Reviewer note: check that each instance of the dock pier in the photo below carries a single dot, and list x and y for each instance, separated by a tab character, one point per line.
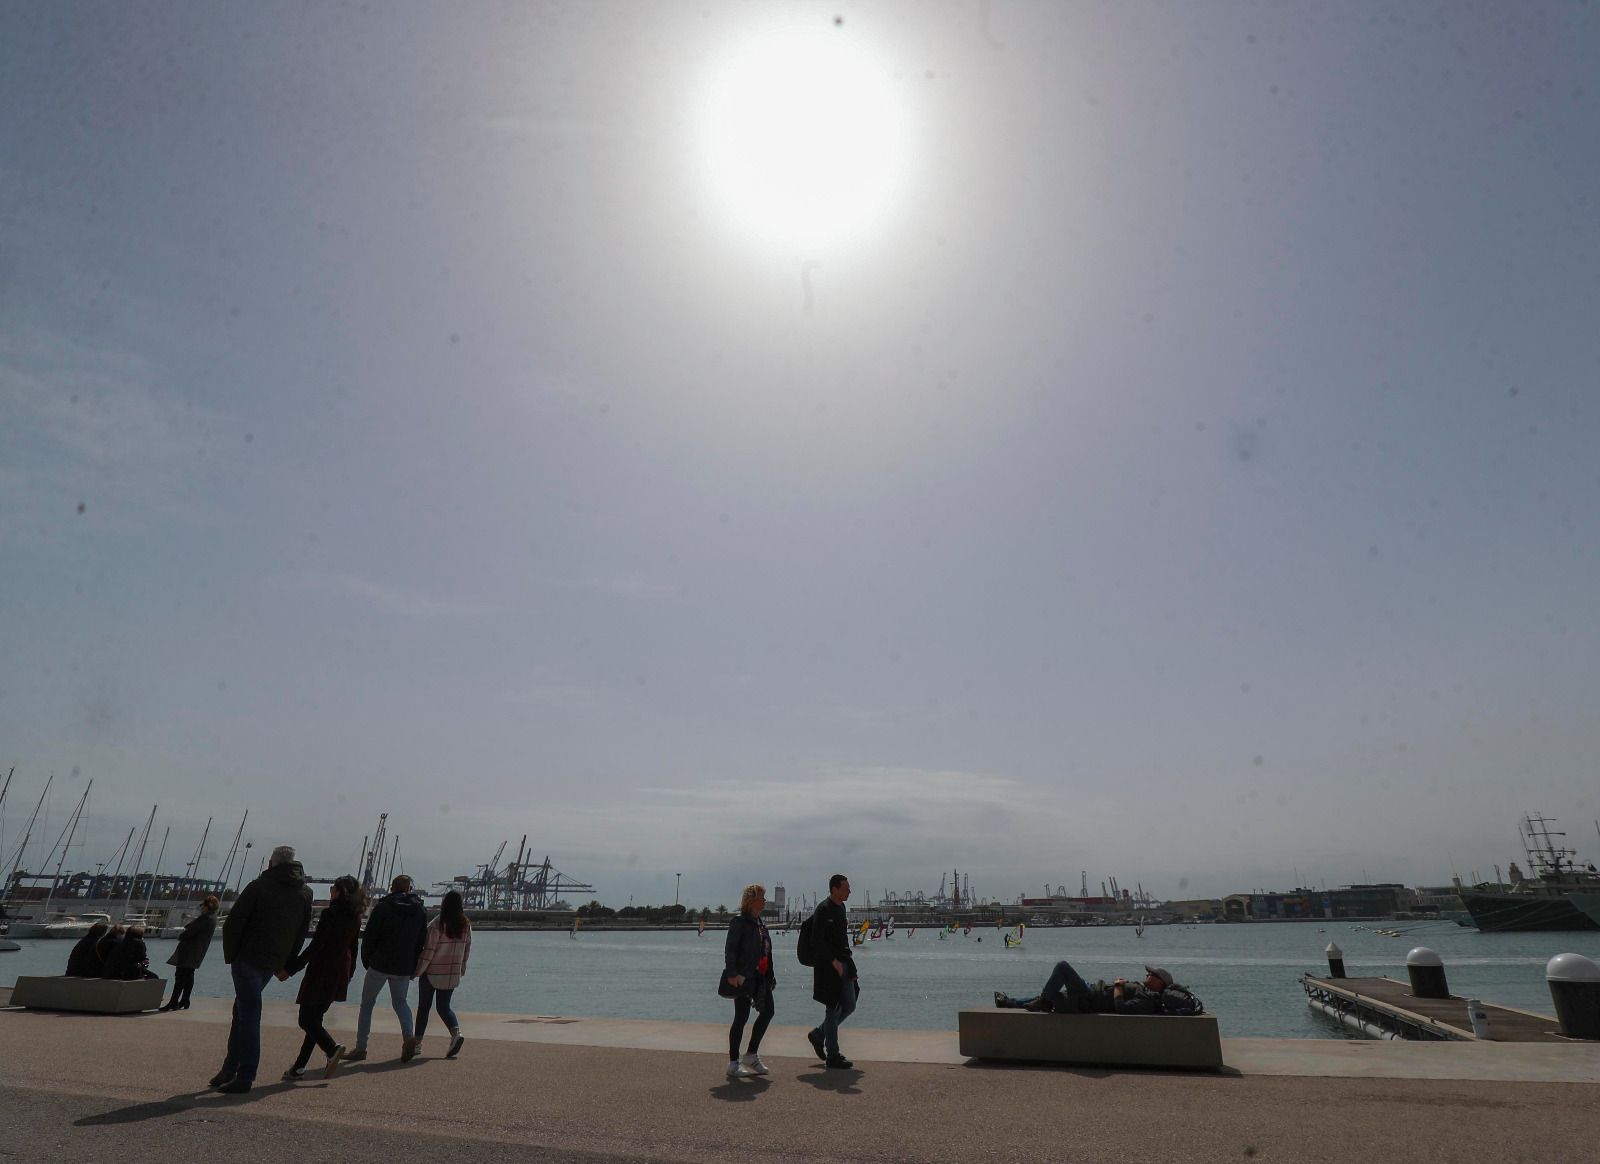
1385	1008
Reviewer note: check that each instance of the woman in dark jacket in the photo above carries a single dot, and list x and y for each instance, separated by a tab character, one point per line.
329	961
128	958
84	961
109	941
191	951
747	978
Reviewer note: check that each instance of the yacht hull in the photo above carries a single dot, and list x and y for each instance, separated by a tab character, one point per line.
1523	912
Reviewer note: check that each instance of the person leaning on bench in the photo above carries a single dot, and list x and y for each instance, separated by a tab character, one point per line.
1068	993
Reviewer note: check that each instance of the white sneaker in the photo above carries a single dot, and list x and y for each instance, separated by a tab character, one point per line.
753	1064
737	1070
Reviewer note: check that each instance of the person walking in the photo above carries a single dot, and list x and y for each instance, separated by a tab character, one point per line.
330	963
748	979
833	978
193	943
390	948
442	966
265	928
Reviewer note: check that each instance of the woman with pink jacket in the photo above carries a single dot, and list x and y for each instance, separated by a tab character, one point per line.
441	967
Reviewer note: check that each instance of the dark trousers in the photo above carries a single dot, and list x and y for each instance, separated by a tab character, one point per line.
182	987
311	1014
426	993
244	1036
741	1012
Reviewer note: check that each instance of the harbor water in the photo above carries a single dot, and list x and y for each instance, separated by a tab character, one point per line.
1248	975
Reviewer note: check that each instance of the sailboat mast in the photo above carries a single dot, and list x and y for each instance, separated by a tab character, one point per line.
191	872
72	829
133	877
27	835
156	870
122	855
233	850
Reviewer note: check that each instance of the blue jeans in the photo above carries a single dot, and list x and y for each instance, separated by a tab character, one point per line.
1062	991
837	1013
428	993
244	1036
1063	976
370	986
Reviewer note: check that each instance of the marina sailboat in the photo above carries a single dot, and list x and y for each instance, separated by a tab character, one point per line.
48	924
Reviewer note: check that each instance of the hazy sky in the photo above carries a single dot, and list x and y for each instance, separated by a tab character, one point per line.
1158	440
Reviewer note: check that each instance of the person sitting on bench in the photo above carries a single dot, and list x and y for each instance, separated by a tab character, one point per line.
1067	993
84	961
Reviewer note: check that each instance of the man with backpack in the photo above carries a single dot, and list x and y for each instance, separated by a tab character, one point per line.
833	971
1067	993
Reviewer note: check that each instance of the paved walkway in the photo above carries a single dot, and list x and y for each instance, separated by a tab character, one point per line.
527	1088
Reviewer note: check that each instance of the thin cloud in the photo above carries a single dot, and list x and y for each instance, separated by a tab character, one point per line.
396	600
888	823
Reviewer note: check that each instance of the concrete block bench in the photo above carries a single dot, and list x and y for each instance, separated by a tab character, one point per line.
93	995
1092	1040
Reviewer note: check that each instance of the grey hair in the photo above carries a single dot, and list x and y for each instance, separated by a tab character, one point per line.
282	855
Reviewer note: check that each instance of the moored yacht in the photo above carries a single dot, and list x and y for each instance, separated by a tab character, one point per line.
1561	894
57	925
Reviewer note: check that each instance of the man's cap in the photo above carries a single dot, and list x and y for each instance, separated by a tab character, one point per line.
1160	972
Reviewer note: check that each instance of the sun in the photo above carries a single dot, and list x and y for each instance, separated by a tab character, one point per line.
805	139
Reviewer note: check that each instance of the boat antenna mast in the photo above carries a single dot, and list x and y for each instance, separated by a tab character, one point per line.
1546	857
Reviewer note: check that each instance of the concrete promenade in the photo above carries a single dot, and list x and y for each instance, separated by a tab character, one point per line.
132	1088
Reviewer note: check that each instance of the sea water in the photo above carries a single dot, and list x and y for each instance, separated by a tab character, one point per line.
1247	975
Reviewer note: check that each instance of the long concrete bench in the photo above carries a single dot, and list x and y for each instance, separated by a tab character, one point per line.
1092	1040
94	995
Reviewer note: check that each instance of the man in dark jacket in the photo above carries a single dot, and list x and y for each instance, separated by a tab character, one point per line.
833	976
265	928
390	946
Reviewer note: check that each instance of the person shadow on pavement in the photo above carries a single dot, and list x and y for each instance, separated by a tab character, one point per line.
740	1091
840	1082
184	1101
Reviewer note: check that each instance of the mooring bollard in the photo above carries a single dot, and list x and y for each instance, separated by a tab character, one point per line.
1426	970
1335	961
1478	1018
1575	989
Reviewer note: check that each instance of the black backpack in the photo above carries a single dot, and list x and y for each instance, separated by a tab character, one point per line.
803	943
1181	1000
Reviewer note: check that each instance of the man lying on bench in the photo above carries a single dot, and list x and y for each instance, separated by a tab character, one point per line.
1068	993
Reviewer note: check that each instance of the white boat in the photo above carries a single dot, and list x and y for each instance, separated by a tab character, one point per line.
57	925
